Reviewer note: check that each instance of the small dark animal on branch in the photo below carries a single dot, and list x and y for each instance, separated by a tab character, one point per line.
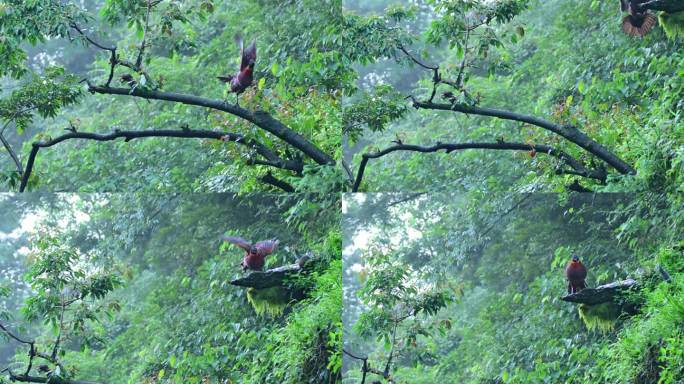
127	79
449	96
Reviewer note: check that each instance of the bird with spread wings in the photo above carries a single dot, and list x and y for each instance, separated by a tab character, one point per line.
245	75
255	254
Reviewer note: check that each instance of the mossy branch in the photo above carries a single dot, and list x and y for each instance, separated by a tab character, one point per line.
601	294
275	277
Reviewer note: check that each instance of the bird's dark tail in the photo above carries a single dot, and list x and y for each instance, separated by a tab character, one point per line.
638	25
225	79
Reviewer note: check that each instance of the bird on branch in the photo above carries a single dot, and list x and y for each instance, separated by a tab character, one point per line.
244	77
639	21
126	78
255	254
575	272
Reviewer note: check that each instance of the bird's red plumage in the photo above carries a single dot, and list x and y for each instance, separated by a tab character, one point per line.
576	272
255	254
245	75
254	261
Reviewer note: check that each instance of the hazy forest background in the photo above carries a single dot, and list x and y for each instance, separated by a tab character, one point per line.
467	288
136	290
122	95
489	140
471	108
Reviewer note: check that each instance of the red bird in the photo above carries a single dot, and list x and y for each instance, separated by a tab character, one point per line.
255	254
576	272
243	79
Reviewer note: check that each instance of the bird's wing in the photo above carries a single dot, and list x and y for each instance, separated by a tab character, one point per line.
225	79
248	54
239	241
267	246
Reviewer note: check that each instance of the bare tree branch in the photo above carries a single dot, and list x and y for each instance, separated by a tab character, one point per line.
258	118
575	165
26	378
12	154
141	52
388	366
261	119
268	178
51	380
669	6
112	51
365	368
568	132
273	159
13	336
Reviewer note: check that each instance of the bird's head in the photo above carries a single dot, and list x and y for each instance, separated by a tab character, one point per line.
575	258
253	250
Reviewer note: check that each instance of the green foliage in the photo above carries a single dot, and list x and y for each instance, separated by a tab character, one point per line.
31	22
600	317
177	318
374	110
457	16
271	301
502	257
300	78
308	348
46	94
368	39
673	24
564	62
61	283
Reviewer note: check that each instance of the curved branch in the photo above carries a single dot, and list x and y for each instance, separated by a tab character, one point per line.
258	118
13	336
268	178
11	152
570	133
52	380
112	51
274	277
576	166
273	159
669	6
601	294
364	369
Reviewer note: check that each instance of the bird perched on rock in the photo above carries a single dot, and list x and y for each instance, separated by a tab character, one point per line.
639	21
255	254
576	272
244	77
